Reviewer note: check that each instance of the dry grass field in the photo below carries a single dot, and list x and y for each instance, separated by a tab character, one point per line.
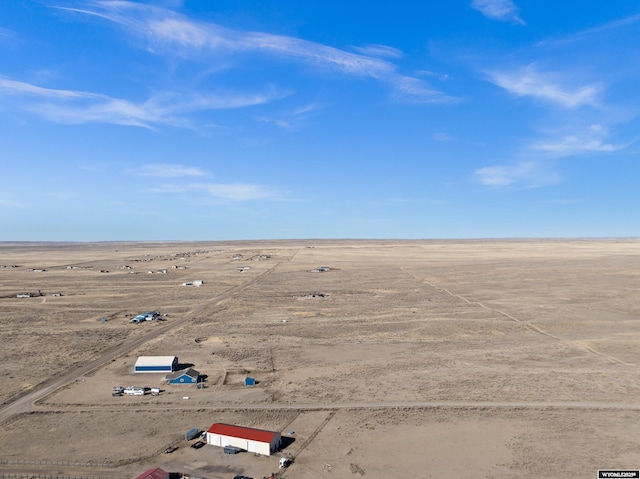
463	359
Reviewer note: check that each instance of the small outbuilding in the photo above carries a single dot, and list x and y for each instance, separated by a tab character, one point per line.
156	364
249	439
187	376
249	381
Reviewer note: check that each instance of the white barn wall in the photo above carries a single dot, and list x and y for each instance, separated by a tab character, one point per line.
249	445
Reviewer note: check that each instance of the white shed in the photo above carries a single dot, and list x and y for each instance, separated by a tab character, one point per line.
253	440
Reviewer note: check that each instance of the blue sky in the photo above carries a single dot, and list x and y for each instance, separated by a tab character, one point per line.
192	120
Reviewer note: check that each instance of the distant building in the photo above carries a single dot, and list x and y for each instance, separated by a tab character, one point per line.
249	381
156	364
253	440
188	376
29	295
150	316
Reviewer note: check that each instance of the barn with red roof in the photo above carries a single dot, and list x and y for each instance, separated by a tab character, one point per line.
155	473
258	441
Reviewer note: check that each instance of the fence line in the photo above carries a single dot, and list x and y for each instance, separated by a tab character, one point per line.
108	465
56	463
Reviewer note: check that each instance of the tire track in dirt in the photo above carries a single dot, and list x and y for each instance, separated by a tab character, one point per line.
310	439
534	405
526	324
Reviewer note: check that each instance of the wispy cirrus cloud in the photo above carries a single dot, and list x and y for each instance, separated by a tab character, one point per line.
6	34
548	86
74	107
4	203
292	119
381	51
175	179
161	170
590	140
427	73
441	136
13	87
166	31
414	90
598	33
524	174
238	191
228	192
501	10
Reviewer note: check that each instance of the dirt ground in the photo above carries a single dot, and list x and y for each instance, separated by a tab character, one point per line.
462	359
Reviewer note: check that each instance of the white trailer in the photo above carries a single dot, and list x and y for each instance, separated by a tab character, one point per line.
133	391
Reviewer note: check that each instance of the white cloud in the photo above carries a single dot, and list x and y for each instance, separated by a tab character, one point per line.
592	139
382	51
595	33
237	191
176	34
525	174
441	137
12	87
502	10
167	188
228	192
563	202
10	204
292	119
279	122
546	86
570	145
69	106
6	34
168	171
428	73
64	195
414	90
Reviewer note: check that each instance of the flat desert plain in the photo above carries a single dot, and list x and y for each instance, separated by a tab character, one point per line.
431	359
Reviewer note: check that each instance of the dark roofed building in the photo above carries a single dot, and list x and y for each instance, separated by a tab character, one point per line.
188	376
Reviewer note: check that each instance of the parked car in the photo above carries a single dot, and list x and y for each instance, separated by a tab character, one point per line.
171	449
232	450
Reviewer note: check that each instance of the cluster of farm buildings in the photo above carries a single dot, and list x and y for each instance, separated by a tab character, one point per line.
247	439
